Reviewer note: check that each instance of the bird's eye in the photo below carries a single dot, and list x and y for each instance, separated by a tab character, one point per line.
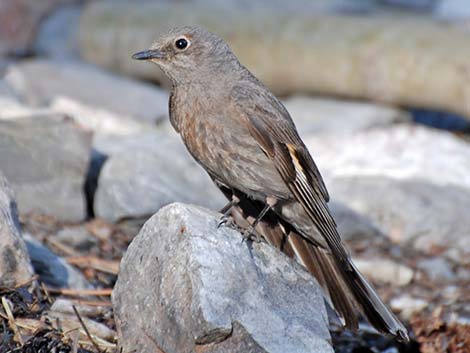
181	43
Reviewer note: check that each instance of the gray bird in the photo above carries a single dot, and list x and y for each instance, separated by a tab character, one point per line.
245	139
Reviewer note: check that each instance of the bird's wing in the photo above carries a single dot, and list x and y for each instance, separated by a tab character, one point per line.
270	124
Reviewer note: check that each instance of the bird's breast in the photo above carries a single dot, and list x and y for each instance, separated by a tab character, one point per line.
219	140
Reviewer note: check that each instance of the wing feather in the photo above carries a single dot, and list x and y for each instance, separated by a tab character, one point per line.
271	126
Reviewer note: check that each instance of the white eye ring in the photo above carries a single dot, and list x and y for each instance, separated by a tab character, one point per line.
182	43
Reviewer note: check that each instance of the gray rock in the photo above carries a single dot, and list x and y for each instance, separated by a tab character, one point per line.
453	10
414	213
57	36
46	160
70	322
15	266
19	22
411	182
407	305
400	152
38	82
437	269
385	270
146	172
320	115
52	269
99	120
77	237
186	285
65	306
351	224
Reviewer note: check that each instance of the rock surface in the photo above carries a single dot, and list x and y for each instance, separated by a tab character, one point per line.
57	36
321	115
15	267
52	269
364	57
19	21
453	10
437	269
384	270
39	81
402	152
214	293
97	119
411	182
46	174
146	172
425	216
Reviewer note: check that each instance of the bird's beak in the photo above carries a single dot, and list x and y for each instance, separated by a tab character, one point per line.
148	55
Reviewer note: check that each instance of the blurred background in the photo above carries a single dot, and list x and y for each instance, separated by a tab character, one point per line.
380	93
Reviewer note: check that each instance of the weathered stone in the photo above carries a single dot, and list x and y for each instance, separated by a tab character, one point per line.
97	119
415	213
11	109
407	305
411	182
385	270
15	267
146	172
19	21
38	82
65	306
52	269
454	10
186	285
437	269
57	36
46	159
377	58
400	152
320	115
69	323
77	237
352	225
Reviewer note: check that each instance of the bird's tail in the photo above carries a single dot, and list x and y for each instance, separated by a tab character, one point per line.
347	289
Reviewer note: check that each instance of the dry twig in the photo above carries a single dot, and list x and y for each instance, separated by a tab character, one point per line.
81	292
11	321
86	329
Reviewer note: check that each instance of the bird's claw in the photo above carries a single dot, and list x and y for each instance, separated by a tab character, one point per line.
223	220
227	221
251	234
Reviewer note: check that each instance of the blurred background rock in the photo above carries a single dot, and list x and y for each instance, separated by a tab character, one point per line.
380	92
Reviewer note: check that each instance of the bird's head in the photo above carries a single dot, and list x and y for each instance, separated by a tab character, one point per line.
189	53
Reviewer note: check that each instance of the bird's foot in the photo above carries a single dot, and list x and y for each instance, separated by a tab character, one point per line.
226	220
251	234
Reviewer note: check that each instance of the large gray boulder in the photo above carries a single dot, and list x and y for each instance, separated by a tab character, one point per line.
52	269
414	213
412	183
400	152
148	171
46	159
321	115
19	22
39	81
187	286
57	36
15	267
